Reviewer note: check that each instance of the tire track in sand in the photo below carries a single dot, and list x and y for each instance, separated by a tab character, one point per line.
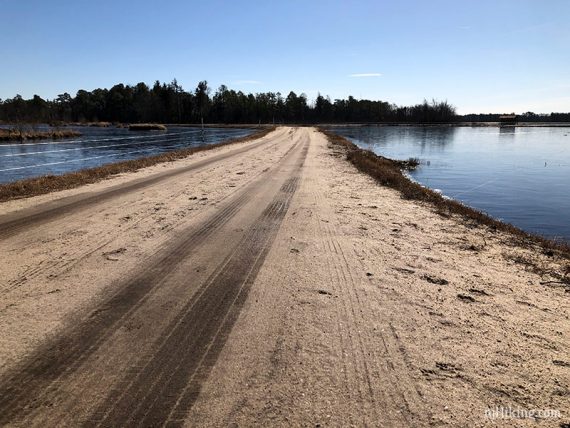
19	394
88	379
358	353
165	388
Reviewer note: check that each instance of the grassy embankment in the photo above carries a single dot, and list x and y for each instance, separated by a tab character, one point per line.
21	135
51	183
390	173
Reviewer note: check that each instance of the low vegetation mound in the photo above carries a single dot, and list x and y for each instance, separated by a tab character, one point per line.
99	124
21	135
146	127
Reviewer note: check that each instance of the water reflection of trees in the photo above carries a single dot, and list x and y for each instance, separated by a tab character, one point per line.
422	139
414	139
436	137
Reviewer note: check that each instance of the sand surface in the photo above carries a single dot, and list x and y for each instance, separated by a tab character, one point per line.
269	283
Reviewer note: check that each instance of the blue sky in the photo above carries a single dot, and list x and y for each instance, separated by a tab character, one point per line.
482	56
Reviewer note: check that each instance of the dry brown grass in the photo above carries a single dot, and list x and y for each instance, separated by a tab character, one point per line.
51	183
146	127
390	173
19	135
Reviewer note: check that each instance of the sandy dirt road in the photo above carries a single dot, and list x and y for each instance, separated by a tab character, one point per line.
269	283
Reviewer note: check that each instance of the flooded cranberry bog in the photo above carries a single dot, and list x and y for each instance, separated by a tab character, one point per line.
520	175
100	146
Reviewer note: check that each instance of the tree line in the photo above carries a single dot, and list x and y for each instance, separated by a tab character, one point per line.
170	103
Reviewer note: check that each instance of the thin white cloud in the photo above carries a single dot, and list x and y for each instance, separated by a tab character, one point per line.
247	82
365	75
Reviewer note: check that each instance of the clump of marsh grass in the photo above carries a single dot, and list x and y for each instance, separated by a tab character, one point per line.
146	127
99	124
15	134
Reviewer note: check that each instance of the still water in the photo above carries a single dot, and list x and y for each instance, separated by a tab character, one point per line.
519	175
99	146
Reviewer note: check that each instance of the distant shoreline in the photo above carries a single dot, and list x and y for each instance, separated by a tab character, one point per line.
354	124
457	124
